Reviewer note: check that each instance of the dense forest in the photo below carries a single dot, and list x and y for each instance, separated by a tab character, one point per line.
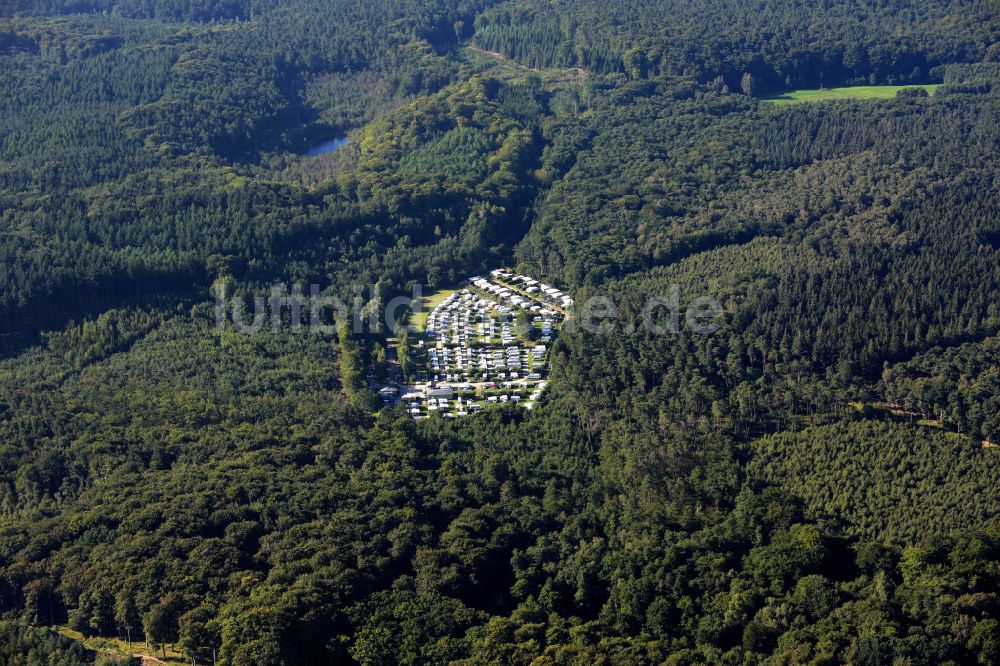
813	482
779	44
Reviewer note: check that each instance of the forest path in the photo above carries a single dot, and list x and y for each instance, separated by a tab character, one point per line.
574	74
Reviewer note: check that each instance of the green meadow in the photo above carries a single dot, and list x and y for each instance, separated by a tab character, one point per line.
853	92
427	303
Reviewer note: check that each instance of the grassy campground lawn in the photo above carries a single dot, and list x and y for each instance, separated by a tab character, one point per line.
854	92
427	303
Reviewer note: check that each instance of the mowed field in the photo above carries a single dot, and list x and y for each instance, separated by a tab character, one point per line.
427	303
853	92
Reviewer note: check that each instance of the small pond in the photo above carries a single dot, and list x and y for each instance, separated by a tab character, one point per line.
326	147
